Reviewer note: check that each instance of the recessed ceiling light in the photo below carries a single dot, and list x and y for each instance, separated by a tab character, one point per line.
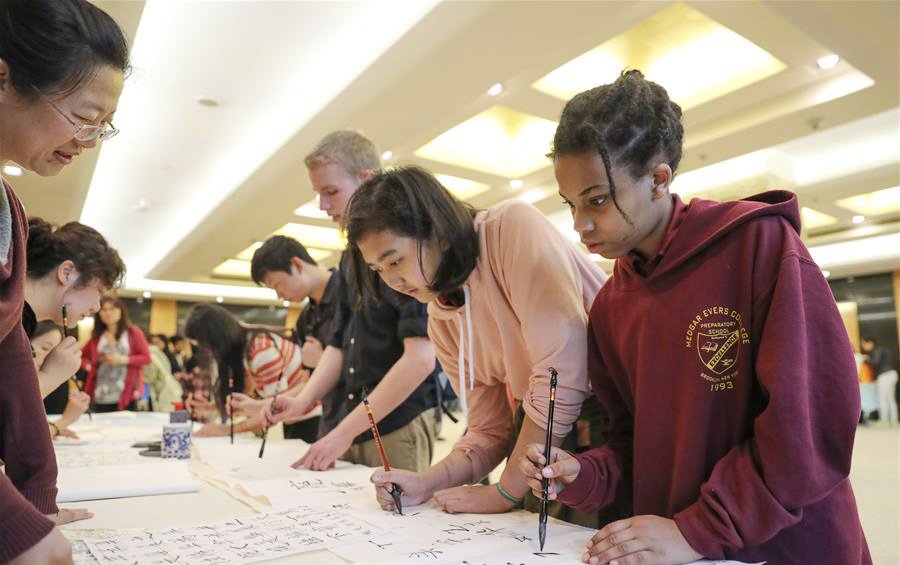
147	294
208	101
694	57
500	141
826	274
460	187
495	90
387	155
828	62
220	299
516	184
286	303
12	170
859	219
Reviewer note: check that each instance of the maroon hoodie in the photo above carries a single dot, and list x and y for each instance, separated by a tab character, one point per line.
28	488
731	388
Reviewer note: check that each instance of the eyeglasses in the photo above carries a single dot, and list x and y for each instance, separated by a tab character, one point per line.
87	132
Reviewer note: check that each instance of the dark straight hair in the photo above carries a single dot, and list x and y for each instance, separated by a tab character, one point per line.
410	202
275	255
123	324
52	47
219	332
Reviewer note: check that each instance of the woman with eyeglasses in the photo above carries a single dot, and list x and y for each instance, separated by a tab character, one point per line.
62	66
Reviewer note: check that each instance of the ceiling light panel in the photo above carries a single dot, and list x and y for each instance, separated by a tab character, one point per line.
694	57
499	141
813	219
316	254
194	157
233	268
313	236
885	201
460	187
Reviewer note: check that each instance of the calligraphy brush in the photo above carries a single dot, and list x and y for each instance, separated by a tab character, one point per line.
545	483
395	490
72	381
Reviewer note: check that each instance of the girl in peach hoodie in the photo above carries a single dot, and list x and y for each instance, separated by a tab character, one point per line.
508	297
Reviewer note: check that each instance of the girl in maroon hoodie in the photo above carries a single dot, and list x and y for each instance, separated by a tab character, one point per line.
717	349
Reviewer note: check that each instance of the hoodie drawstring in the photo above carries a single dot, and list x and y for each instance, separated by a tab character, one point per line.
467	378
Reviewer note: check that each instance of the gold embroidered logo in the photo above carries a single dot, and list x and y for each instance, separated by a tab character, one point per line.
717	334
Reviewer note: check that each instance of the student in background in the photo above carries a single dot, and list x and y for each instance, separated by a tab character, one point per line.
62	65
261	362
114	358
44	339
285	266
164	389
183	351
382	347
70	265
162	342
508	299
881	360
718	350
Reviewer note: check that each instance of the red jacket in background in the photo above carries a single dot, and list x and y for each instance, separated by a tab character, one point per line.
139	355
731	388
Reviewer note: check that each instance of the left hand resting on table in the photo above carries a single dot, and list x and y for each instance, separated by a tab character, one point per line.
323	453
67	515
475	499
213	430
644	540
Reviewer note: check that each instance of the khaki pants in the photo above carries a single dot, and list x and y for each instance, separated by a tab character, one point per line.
410	447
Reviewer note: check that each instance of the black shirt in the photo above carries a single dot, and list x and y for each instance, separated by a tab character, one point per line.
29	322
317	320
55	402
881	360
371	334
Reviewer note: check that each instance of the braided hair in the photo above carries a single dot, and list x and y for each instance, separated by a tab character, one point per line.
629	122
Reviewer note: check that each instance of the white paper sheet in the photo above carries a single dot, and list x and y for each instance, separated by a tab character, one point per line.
429	535
236	541
119	481
71	457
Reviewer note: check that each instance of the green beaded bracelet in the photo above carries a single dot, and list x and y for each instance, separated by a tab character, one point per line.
509	497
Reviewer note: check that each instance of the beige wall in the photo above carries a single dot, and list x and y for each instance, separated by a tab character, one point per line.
850	316
163	316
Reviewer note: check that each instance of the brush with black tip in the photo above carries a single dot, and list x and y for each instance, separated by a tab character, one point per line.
73	383
395	490
545	482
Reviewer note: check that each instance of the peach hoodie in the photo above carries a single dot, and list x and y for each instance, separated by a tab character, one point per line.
527	304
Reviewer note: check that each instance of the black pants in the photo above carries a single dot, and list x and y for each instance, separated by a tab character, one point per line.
307	430
114	407
591	420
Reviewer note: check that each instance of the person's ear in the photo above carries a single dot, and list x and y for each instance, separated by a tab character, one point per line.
662	177
298	264
5	79
66	274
